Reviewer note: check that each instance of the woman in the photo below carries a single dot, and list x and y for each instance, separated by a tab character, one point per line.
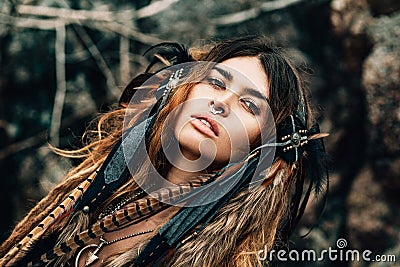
207	160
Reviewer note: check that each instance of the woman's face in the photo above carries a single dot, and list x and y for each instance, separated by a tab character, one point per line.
220	120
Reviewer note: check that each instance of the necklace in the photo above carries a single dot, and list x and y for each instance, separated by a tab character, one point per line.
136	195
93	257
113	208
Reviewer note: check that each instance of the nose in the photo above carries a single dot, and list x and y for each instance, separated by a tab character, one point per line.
219	108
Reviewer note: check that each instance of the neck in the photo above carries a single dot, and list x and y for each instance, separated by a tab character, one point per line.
177	175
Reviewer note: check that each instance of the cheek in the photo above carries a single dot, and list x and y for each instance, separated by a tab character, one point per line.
200	90
240	140
254	132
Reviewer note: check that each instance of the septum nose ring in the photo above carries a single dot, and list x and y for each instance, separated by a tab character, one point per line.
215	112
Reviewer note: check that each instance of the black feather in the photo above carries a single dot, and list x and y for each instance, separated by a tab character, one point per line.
173	52
132	86
316	161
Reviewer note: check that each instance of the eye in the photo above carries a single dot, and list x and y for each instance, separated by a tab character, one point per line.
250	106
216	83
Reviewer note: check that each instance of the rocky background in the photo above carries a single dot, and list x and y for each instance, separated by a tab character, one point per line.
61	62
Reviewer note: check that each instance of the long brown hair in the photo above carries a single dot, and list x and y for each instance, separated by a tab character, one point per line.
249	221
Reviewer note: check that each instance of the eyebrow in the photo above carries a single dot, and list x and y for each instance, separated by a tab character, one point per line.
227	75
224	73
256	93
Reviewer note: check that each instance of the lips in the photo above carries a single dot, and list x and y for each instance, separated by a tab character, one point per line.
206	125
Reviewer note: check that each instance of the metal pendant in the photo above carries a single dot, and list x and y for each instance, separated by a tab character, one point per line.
92	255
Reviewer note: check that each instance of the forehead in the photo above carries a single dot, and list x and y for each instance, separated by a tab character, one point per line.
249	71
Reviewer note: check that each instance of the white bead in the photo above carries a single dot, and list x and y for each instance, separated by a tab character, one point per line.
86	209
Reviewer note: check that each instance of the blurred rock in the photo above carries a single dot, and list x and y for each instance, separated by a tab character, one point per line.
350	19
381	80
371	221
369	215
382	7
